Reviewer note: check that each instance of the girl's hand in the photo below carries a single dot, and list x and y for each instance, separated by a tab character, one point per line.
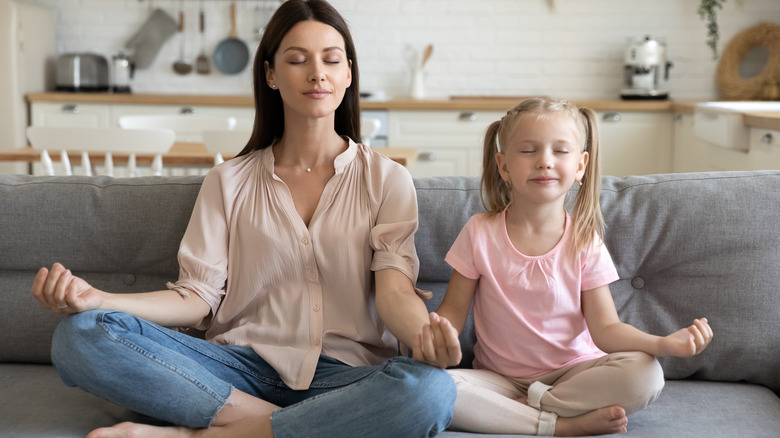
62	292
438	344
688	341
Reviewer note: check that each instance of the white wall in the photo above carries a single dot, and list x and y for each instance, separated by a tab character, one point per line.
482	47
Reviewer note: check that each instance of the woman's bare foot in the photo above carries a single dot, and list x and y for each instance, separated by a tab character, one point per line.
599	422
137	430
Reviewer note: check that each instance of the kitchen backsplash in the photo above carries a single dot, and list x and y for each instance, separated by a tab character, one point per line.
570	48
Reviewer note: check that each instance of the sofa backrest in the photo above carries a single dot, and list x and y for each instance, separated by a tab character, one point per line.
685	246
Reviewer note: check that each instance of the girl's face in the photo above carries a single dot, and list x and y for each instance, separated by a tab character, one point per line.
311	69
543	157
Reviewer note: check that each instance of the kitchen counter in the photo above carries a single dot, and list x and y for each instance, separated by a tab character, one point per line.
487	103
766	120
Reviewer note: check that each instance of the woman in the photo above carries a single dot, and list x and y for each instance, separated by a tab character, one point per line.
278	265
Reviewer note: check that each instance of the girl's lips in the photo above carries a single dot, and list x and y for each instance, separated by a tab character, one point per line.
544	180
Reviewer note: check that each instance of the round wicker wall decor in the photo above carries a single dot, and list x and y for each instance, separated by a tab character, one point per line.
734	86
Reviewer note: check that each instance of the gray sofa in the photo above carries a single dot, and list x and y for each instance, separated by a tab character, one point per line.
685	245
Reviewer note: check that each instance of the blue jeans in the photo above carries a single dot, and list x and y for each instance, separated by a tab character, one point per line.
184	380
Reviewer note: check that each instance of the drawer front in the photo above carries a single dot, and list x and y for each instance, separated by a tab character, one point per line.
440	128
73	115
765	149
245	117
441	162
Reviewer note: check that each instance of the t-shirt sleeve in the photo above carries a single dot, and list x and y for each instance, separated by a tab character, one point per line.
203	252
392	236
461	253
598	269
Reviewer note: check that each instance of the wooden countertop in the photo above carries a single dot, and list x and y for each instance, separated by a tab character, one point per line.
474	103
766	120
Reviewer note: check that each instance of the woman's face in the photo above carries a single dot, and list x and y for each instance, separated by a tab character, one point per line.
311	70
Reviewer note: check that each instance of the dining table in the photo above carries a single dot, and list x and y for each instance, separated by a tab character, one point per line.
184	154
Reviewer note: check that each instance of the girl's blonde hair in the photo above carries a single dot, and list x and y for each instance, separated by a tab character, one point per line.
497	194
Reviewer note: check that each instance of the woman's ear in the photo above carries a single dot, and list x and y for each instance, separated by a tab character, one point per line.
269	75
349	74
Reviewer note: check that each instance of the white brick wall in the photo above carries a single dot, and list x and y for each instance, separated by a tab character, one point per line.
482	47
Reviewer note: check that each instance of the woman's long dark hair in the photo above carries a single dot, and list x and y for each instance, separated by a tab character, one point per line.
269	112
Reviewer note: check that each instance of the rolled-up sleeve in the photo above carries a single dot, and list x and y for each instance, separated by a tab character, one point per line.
392	237
203	253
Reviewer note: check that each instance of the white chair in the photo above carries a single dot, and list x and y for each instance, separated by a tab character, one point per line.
100	140
224	141
369	128
188	127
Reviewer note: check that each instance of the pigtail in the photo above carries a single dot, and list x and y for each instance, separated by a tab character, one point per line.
586	212
492	186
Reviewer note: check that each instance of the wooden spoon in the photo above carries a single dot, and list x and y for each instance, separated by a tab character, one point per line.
426	55
181	66
202	64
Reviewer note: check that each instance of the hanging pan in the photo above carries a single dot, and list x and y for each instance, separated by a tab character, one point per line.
231	55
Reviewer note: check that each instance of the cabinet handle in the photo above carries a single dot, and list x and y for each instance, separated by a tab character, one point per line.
767	138
427	156
467	116
187	110
611	117
70	108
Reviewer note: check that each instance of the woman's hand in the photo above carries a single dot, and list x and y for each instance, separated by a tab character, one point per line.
438	344
689	341
62	292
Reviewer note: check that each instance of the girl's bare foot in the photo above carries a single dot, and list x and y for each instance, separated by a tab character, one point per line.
136	430
599	422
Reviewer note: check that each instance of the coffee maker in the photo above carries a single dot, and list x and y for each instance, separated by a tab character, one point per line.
646	70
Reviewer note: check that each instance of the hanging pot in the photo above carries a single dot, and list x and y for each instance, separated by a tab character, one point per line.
231	55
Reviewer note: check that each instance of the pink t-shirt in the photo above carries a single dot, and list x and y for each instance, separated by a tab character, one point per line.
528	310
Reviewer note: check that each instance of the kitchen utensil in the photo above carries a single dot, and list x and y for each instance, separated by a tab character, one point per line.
202	64
646	70
231	55
122	69
81	72
426	55
148	40
182	66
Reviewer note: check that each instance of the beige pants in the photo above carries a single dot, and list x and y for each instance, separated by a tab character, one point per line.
486	401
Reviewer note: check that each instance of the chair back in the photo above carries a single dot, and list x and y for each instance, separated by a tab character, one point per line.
100	141
223	141
188	127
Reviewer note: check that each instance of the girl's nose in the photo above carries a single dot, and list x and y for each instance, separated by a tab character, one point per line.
545	161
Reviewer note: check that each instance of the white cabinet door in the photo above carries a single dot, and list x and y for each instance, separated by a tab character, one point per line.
448	142
689	152
764	149
635	143
75	115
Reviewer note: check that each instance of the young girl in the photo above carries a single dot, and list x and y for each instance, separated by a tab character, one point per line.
551	355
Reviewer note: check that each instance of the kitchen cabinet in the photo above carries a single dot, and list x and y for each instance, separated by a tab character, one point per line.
689	153
104	115
448	142
764	149
635	143
77	115
451	142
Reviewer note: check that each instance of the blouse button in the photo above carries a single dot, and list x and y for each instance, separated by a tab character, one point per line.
316	308
305	240
312	276
317	341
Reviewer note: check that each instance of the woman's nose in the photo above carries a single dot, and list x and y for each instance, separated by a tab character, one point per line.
317	75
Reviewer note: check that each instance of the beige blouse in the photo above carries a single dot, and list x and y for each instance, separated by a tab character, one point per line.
292	292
